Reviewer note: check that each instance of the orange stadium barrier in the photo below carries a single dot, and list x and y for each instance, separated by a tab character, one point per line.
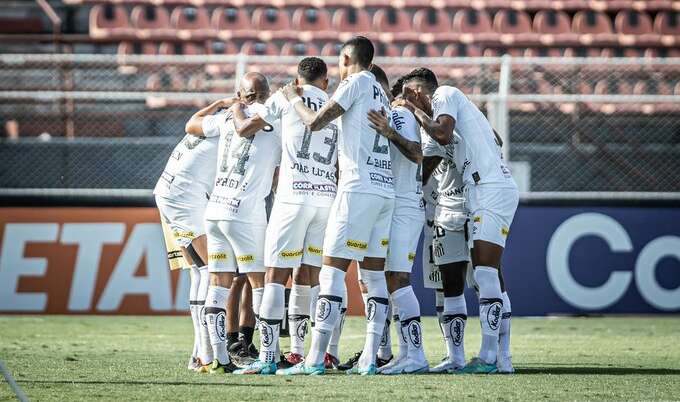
94	261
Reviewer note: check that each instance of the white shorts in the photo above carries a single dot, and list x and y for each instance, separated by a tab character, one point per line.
432	278
185	218
449	247
235	246
491	210
407	226
358	226
295	235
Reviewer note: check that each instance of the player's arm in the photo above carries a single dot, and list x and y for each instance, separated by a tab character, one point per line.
314	120
430	163
246	126
195	124
498	138
411	149
440	129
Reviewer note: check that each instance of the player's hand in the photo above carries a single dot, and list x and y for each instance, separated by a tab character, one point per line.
379	122
228	102
291	90
422	103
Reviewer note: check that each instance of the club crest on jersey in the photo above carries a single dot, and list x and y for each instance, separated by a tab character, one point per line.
456	327
414	333
220	328
493	315
323	309
266	334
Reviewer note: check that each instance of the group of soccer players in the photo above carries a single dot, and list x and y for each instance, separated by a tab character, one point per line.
356	177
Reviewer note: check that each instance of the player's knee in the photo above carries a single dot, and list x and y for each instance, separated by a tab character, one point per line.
222	279
256	279
486	254
277	275
453	278
397	280
301	275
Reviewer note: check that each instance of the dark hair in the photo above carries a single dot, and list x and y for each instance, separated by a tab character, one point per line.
398	87
380	75
312	68
424	75
362	50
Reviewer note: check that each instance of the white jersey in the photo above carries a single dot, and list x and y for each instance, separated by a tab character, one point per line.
364	155
482	163
450	184
190	171
308	173
408	180
245	167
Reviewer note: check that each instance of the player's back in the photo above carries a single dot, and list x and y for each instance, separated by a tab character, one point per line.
364	155
245	167
190	171
407	174
308	173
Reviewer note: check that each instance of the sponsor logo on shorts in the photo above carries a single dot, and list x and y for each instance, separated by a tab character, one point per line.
435	276
245	258
314	250
493	315
411	257
183	234
323	309
291	254
505	231
357	244
266	334
384	242
477	219
414	333
217	257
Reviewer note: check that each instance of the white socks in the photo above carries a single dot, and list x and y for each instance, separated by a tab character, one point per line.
504	331
271	314
452	323
490	311
334	343
331	291
406	303
257	301
401	336
195	308
313	298
376	314
215	313
385	348
205	352
298	317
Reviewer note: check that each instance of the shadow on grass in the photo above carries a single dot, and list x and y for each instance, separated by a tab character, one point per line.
130	382
562	370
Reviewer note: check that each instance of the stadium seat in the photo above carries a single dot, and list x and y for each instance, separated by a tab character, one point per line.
181	48
593	27
393	24
272	23
108	20
544	52
462	50
232	23
432	24
554	28
218	47
667	24
135	48
331	49
514	26
151	21
383	49
191	22
299	49
259	48
473	25
350	21
313	24
635	28
421	50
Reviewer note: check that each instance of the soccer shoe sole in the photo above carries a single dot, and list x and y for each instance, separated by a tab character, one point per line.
295	370
371	370
479	369
447	368
268	370
408	369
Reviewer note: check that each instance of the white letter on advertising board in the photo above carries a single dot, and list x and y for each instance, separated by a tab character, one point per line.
90	238
13	264
557	261
146	241
645	273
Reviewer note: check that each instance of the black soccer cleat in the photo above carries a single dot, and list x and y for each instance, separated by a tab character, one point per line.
218	368
350	363
381	362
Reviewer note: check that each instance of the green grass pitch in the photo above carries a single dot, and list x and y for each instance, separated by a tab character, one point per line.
144	358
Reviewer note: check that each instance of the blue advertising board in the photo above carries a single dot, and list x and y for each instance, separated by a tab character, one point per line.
587	260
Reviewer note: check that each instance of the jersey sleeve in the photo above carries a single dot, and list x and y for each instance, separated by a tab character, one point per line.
274	107
431	148
405	124
445	102
211	125
347	93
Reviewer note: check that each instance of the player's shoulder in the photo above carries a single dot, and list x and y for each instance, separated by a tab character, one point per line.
446	91
402	111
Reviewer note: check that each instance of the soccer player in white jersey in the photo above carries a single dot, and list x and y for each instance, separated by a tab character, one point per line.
305	191
359	223
407	225
492	196
236	217
181	195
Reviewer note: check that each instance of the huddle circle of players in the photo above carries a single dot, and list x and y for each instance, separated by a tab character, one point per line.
356	177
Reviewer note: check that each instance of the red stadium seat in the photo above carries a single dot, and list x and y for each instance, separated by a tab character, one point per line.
514	26
667	24
331	49
151	21
299	49
135	48
635	28
462	50
191	22
421	50
260	48
593	27
351	21
311	19
392	24
272	23
218	47
473	25
544	52
554	27
186	48
431	20
231	22
383	49
107	20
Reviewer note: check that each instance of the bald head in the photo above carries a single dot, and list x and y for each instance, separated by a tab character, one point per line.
253	88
